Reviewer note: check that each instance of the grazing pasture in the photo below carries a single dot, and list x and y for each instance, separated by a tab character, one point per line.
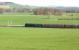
21	19
21	38
39	39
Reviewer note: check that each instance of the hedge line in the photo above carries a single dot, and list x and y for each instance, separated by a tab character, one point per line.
52	25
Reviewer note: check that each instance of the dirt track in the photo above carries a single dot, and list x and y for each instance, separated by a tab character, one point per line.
11	25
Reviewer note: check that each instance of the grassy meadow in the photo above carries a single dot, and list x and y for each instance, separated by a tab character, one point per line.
21	38
21	19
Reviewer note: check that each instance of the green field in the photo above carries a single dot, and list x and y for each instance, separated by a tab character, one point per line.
39	39
21	19
21	38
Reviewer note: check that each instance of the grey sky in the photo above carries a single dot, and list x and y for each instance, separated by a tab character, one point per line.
46	2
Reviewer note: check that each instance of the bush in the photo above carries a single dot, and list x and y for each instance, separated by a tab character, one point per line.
53	25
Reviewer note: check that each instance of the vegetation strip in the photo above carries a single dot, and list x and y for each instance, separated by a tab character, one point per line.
53	25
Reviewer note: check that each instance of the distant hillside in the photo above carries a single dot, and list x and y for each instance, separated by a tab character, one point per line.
69	9
9	4
19	6
14	7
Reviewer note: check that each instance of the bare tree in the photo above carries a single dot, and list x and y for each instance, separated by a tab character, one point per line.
47	11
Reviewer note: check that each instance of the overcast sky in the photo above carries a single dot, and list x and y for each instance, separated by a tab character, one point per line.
46	2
